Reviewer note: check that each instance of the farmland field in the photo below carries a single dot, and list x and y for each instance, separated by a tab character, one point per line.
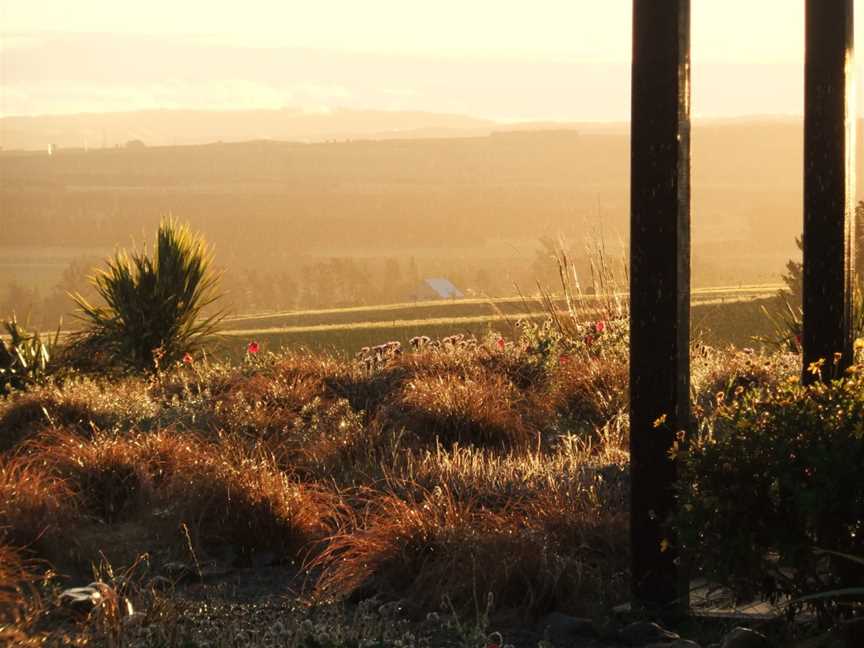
720	316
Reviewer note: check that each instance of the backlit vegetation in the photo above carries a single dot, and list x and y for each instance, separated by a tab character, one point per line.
501	459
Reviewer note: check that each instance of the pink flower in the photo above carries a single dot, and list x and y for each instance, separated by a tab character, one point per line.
600	326
187	358
500	343
253	347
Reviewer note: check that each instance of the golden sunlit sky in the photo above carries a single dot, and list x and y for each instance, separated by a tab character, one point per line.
503	59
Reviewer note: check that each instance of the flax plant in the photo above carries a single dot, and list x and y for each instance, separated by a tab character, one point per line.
153	307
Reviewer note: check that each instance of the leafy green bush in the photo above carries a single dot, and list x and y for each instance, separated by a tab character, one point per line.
778	476
25	358
153	308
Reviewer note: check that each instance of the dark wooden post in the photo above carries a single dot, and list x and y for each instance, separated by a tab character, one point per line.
829	185
659	288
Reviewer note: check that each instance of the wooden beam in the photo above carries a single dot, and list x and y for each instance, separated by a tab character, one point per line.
659	289
829	185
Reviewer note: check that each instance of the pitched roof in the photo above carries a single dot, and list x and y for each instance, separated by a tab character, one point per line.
443	287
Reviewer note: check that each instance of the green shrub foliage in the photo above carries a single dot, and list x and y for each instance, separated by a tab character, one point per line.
153	307
774	480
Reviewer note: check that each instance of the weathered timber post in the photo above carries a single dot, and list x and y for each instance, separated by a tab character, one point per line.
829	185
659	289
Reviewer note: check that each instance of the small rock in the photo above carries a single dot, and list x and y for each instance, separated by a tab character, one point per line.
642	633
745	638
562	629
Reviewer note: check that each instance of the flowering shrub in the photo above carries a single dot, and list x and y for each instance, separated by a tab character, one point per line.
777	476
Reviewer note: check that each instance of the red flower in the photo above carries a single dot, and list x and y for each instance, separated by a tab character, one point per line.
253	347
588	339
187	359
600	326
500	343
798	339
564	359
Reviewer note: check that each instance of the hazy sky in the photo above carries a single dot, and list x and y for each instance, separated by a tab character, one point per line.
476	56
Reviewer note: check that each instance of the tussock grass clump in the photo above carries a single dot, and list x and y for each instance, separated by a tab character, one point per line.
17	605
494	479
411	546
35	504
538	530
262	407
330	441
221	491
471	408
230	496
368	390
108	473
589	391
85	405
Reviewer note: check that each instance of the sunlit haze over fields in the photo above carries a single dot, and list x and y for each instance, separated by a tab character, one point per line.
513	61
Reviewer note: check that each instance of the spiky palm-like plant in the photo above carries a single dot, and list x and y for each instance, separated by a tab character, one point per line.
153	307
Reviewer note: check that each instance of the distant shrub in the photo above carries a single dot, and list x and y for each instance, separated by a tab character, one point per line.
154	307
778	476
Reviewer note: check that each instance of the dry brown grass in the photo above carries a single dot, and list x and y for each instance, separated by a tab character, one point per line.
331	442
106	472
12	574
539	530
388	479
84	405
432	544
221	491
589	391
466	408
18	605
243	499
35	504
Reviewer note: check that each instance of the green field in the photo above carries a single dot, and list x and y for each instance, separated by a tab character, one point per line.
449	309
720	316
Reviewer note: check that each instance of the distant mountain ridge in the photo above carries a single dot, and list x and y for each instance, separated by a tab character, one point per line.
183	127
193	127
